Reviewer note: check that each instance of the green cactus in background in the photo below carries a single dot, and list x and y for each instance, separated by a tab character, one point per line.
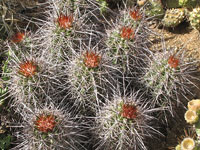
102	5
155	9
180	3
194	18
173	17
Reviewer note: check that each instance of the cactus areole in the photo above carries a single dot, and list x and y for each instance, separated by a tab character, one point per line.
127	33
45	123
91	60
129	111
135	15
173	62
65	22
18	37
28	68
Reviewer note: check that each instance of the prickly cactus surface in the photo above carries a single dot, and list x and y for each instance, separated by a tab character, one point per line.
173	17
194	18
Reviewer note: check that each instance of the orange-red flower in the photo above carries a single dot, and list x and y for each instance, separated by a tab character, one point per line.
135	15
91	59
173	62
45	123
129	111
27	68
18	37
127	33
65	21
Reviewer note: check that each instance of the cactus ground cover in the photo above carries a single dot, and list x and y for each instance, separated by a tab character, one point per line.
99	75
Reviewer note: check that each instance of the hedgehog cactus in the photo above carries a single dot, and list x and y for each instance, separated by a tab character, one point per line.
123	123
194	18
87	72
28	76
168	74
173	17
125	38
50	128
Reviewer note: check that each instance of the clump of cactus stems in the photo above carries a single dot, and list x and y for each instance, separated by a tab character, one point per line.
124	123
192	117
49	127
169	73
88	73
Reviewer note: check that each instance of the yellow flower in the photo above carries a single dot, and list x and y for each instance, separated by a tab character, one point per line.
187	144
178	147
191	116
194	105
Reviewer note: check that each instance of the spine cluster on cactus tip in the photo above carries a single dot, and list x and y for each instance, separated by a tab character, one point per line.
129	111
135	14
28	68
173	62
45	123
65	22
91	59
18	37
127	33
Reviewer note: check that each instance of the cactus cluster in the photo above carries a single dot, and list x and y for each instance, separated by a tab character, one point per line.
70	70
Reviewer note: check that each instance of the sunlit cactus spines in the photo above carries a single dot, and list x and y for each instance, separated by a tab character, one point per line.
50	127
173	17
194	18
124	123
169	73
